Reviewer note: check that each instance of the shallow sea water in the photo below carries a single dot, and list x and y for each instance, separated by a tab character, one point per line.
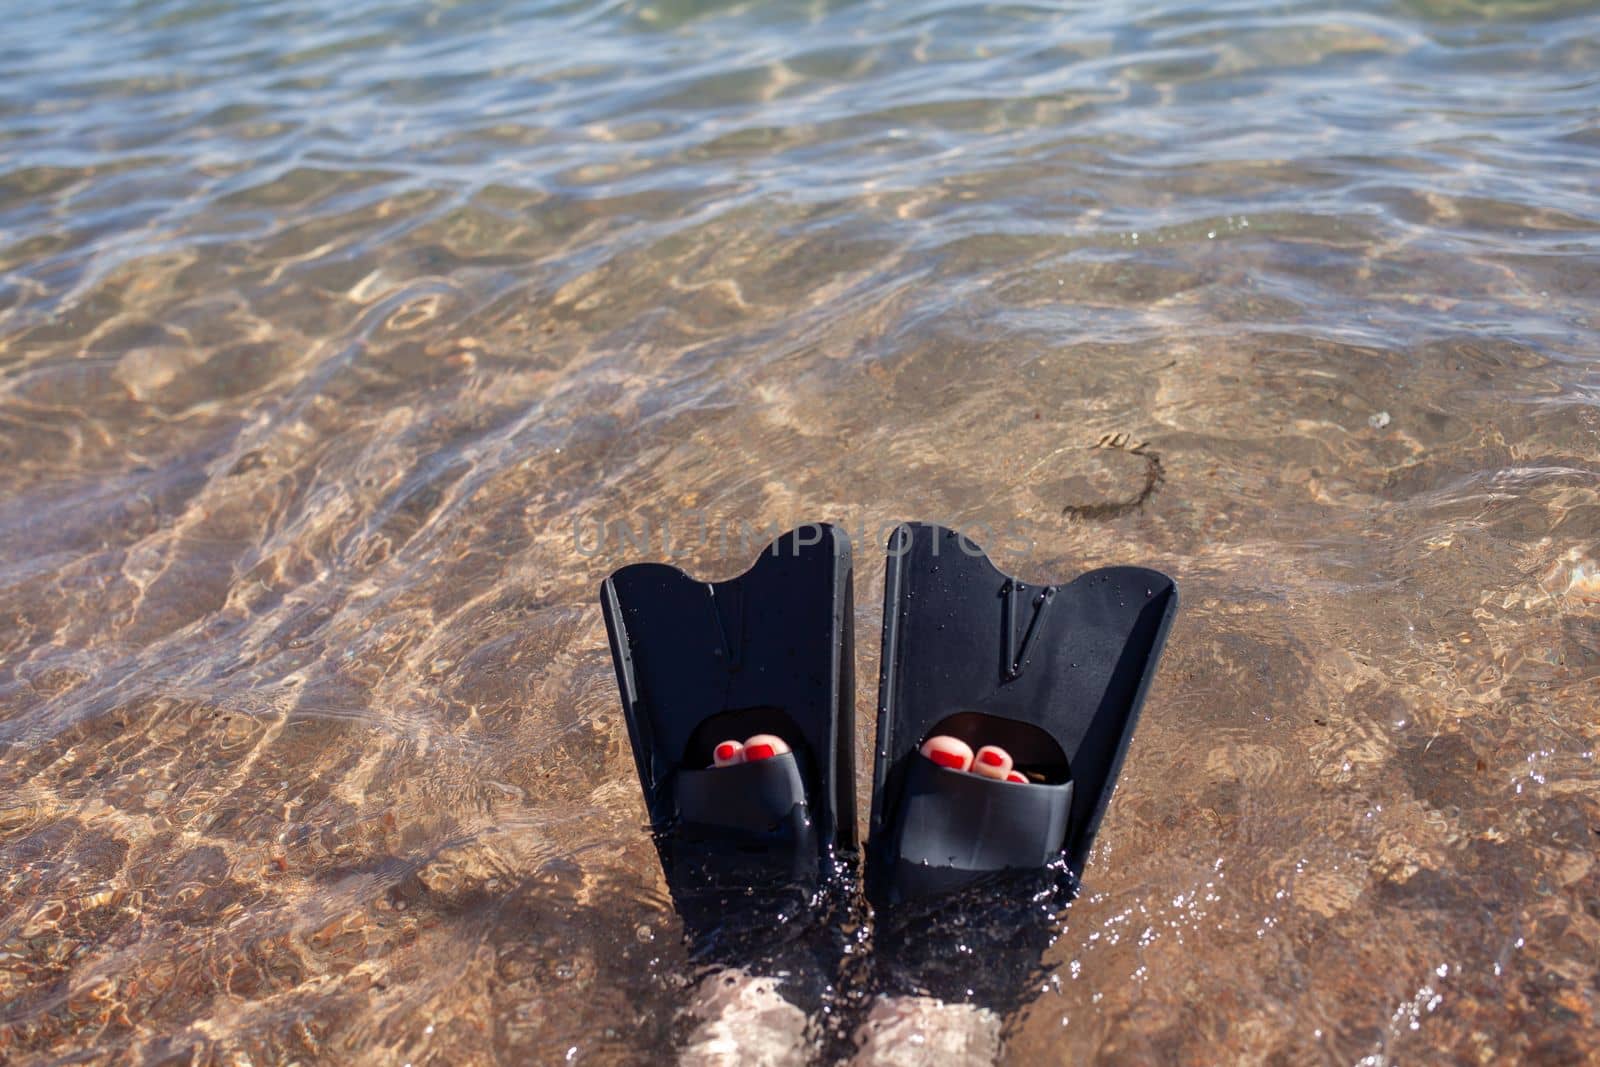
331	336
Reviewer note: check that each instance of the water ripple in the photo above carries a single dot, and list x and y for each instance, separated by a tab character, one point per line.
327	330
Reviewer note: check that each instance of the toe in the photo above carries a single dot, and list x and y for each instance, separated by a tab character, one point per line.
1017	776
764	746
949	752
727	753
992	761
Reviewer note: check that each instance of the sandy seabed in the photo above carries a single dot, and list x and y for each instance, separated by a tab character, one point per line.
325	356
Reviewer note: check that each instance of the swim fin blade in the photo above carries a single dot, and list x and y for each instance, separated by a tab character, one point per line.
697	663
1054	674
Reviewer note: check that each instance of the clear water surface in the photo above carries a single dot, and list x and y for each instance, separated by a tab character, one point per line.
327	329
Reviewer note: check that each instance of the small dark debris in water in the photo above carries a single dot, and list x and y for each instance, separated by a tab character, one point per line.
250	461
1319	720
1482	766
1154	475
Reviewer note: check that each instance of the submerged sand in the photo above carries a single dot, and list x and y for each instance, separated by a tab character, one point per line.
327	355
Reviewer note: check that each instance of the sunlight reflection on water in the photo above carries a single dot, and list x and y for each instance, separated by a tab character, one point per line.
322	329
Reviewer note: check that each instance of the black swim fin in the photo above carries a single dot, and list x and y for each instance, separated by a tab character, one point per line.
1054	674
770	651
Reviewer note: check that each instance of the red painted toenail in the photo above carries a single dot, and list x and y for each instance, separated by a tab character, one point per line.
952	760
726	750
1015	777
991	757
760	752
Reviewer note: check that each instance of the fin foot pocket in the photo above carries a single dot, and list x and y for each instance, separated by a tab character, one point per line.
754	797
955	827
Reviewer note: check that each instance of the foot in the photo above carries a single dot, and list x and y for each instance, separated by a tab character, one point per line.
741	1020
924	1032
990	761
750	750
